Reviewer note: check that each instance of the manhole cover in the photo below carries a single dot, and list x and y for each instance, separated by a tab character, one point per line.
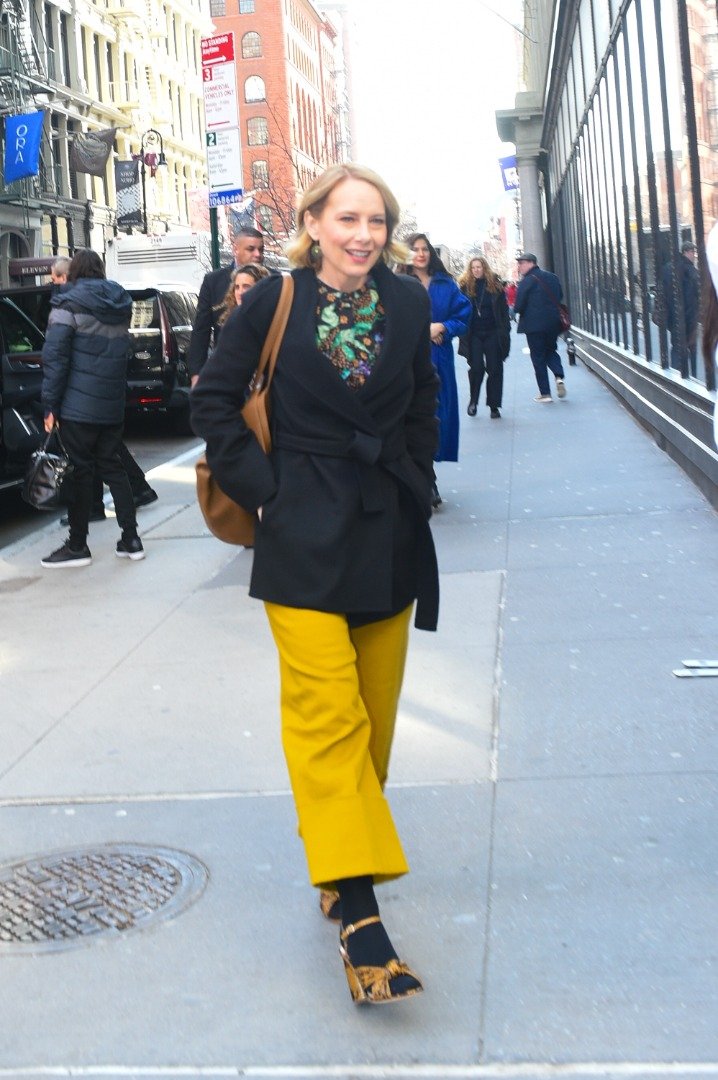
68	898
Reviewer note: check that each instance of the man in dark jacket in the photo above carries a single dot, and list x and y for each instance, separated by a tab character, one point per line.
681	306
537	300
142	493
248	247
83	392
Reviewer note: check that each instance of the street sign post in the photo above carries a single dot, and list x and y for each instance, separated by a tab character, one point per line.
224	144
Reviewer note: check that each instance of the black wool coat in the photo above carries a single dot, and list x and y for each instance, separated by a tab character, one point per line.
206	323
345	492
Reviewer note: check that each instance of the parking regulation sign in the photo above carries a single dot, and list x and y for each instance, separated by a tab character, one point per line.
224	164
221	111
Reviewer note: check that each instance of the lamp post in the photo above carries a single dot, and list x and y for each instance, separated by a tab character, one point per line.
153	137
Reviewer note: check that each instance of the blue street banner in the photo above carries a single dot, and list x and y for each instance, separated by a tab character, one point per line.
510	173
22	145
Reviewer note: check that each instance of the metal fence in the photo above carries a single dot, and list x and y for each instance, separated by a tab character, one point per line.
633	174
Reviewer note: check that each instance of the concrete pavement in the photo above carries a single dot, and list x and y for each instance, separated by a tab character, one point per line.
554	783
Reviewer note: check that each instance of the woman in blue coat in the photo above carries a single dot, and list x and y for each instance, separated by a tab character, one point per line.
450	317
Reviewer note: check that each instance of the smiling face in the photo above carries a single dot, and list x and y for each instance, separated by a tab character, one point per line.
477	269
351	232
422	255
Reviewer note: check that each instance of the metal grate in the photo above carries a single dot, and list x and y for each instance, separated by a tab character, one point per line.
69	898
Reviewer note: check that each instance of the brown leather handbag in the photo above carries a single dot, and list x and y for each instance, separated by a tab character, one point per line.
225	518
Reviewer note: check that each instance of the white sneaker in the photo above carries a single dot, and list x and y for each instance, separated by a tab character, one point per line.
543	398
561	388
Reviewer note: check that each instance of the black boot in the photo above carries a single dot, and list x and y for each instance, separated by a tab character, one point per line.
474	387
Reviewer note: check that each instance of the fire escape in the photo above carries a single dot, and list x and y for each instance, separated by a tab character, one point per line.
24	87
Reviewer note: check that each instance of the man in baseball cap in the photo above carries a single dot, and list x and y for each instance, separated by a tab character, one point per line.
537	305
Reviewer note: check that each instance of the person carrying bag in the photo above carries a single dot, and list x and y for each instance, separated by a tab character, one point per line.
343	552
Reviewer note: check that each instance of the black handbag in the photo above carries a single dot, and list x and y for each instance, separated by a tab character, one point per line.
46	476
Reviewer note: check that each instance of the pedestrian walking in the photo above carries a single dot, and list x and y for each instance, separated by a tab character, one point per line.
240	282
487	343
450	315
679	307
248	247
343	548
142	493
510	290
710	315
83	392
537	305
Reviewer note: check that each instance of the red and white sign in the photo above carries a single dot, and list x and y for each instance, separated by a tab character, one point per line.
219	82
221	116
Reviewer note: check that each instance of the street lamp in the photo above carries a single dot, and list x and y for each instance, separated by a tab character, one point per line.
153	137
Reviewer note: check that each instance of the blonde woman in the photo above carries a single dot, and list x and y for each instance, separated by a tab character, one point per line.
343	550
487	343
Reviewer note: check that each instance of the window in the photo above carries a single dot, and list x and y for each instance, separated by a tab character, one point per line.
265	219
257	131
260	174
20	336
217	9
251	45
254	89
246	7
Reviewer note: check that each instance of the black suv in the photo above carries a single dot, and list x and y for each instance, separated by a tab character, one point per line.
157	374
158	377
21	428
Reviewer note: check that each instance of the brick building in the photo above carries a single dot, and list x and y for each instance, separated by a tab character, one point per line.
286	54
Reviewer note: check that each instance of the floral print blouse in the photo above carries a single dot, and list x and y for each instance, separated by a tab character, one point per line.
350	330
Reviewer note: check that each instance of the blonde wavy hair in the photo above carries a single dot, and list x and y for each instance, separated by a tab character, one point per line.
467	281
314	199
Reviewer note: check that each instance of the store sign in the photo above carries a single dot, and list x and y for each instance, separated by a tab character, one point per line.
221	112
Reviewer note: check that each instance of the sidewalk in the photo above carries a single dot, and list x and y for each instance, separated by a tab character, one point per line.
554	783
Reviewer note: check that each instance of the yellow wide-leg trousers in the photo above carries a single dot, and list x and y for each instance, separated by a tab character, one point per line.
339	695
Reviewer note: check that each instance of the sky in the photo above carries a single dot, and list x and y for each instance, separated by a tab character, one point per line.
424	95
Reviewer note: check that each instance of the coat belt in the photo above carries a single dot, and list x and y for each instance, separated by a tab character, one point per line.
366	451
359	446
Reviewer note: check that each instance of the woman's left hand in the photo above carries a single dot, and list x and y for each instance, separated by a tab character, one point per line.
436	332
49	422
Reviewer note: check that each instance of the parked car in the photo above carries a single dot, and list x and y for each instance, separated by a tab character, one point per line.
21	429
158	377
157	374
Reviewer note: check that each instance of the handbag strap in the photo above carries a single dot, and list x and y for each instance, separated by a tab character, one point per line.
546	289
273	340
54	430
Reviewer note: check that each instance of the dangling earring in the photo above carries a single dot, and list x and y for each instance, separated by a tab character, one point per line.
315	252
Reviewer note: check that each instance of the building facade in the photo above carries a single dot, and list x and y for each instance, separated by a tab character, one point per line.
90	65
288	54
616	133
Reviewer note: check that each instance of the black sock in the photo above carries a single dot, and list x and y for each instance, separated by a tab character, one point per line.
371	944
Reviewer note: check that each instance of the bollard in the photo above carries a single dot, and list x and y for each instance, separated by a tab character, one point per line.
571	350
